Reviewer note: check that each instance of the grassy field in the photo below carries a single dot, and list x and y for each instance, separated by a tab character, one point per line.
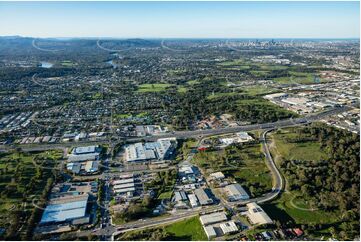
166	195
23	177
156	87
283	210
220	94
182	89
67	63
310	150
292	206
258	90
193	82
246	165
188	229
295	77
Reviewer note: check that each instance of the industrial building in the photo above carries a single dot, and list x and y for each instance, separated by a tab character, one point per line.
203	197
210	232
162	149
217	176
239	137
125	186
86	153
217	224
180	196
61	210
213	218
87	167
193	200
229	227
235	192
257	215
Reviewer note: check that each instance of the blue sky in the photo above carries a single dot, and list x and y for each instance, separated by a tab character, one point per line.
181	19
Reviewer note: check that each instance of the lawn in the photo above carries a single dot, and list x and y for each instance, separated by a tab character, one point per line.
282	210
193	82
182	89
166	195
258	90
156	87
221	94
272	67
310	150
67	63
188	229
295	77
246	165
23	177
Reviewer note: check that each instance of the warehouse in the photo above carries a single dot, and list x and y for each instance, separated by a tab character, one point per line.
235	192
162	149
91	166
124	190
87	167
86	150
66	211
213	218
85	153
228	227
122	186
193	200
123	181
210	232
217	176
203	197
257	215
180	196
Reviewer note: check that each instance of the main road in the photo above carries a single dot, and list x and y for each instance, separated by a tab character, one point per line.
112	230
184	134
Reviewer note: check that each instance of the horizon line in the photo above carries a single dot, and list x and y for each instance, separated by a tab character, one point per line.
160	38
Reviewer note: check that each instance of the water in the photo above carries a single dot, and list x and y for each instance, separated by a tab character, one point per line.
45	64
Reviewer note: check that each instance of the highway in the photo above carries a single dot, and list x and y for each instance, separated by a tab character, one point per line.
183	134
108	230
149	222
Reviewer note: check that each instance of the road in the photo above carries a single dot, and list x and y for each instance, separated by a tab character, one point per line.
107	230
277	177
184	134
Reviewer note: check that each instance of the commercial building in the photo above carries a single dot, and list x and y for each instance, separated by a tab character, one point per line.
276	96
72	209
210	232
235	192
162	149
203	197
257	215
125	186
240	137
180	196
217	176
213	218
193	200
87	167
229	227
86	153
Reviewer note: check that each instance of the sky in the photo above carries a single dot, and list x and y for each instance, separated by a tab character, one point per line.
181	19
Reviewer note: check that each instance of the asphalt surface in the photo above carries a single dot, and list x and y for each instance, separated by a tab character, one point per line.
107	230
184	134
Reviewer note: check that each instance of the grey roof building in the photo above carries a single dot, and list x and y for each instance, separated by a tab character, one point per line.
203	197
